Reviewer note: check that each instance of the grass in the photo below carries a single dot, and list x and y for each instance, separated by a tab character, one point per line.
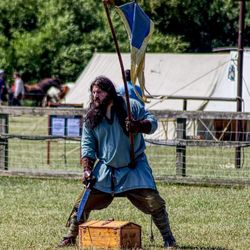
33	213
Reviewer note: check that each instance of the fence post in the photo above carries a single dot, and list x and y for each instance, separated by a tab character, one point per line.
180	149
4	129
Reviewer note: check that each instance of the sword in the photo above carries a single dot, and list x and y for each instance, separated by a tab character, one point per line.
74	209
85	198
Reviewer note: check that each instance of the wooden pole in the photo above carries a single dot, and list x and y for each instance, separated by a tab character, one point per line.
239	81
4	143
48	143
132	153
180	149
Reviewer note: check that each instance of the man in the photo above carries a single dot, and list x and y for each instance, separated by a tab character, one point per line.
133	91
2	87
105	156
17	90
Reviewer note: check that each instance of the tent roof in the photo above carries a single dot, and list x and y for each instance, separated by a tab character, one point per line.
165	74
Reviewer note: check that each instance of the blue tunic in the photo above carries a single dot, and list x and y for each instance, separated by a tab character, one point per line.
110	146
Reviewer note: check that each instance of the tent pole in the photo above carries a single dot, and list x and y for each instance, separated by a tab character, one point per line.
238	134
132	153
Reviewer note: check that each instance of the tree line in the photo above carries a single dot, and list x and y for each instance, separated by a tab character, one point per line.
43	38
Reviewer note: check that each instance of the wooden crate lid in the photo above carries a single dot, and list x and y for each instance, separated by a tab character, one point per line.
108	224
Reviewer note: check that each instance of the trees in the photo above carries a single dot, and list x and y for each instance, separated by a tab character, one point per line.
44	38
203	24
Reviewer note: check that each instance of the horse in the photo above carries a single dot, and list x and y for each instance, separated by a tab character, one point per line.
54	95
39	92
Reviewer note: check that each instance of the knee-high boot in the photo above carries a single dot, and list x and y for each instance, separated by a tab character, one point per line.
73	227
162	223
70	238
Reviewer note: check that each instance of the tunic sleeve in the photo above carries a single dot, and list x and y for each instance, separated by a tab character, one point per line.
88	143
140	113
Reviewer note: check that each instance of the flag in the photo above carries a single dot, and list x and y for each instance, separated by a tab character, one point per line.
139	28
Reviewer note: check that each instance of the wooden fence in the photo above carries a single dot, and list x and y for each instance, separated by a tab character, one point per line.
191	147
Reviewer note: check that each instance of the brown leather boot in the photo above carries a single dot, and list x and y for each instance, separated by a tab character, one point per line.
67	241
170	243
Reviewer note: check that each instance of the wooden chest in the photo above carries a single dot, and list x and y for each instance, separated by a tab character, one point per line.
109	234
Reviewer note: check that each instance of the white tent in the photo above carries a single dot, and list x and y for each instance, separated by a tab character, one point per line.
165	74
197	75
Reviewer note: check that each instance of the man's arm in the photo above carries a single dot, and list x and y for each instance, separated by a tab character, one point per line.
135	126
17	88
88	152
88	143
143	121
88	165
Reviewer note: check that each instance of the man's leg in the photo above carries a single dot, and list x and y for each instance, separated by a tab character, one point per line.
97	200
10	99
15	102
150	202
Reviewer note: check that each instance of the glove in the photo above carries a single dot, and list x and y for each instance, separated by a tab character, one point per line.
87	164
133	126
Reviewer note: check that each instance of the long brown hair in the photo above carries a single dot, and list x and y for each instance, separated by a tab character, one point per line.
95	114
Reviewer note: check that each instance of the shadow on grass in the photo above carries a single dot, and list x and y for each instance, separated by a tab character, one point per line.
186	248
200	248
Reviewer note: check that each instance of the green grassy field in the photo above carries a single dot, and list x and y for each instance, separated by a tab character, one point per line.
33	213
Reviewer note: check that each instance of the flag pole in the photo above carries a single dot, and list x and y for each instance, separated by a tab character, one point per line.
132	152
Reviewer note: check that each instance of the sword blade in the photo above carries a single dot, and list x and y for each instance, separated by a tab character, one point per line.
83	203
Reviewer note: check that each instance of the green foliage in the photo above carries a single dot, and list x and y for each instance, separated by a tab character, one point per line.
161	43
204	24
3	50
52	43
43	38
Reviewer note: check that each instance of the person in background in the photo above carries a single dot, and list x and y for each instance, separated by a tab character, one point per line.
105	157
2	87
17	90
133	90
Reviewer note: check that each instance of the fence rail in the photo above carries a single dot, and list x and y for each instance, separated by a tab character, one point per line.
189	146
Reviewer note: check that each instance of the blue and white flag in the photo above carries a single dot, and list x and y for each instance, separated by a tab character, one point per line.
139	28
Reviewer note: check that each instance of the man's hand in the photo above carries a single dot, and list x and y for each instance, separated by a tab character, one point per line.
86	176
87	164
132	126
135	126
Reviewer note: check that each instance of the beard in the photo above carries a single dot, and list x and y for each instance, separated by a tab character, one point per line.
97	111
102	105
